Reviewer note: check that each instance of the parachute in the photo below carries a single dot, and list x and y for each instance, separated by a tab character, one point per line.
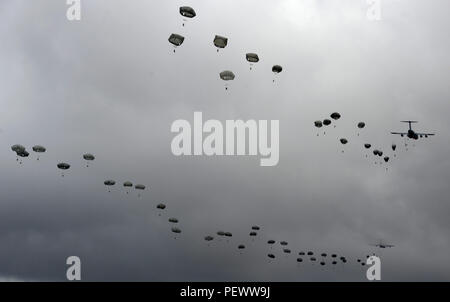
361	125
283	243
176	230
335	116
241	246
271	242
299	260
227	76
326	122
287	251
160	206
301	253
220	42
176	40
139	187
252	58
386	158
109	183
253	233
63	166
323	254
20	151
367	146
272	256
17	148
255	227
187	12
88	157
228	234
221	233
310	253
318	124
127	184
39	149
23	153
276	69
173	220
344	142
209	238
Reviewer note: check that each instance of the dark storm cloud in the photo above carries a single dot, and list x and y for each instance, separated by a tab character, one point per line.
111	85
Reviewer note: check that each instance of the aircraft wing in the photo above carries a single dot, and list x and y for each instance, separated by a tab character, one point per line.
389	245
399	133
427	134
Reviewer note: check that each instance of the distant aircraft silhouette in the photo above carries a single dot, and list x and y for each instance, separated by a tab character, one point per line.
411	133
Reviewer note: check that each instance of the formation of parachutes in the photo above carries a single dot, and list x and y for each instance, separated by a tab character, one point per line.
323	258
344	141
220	42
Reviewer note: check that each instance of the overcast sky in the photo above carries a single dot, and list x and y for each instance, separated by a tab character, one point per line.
111	85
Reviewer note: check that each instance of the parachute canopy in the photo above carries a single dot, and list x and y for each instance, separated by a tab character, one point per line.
283	243
176	230
187	11
109	182
88	156
220	42
139	187
367	146
227	75
343	141
271	241
277	68
161	206
17	148
386	158
335	115
318	124
39	149
255	227
253	233
252	57
361	125
23	153
63	166
326	122
176	39
394	146
209	238
127	184
173	220
241	246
